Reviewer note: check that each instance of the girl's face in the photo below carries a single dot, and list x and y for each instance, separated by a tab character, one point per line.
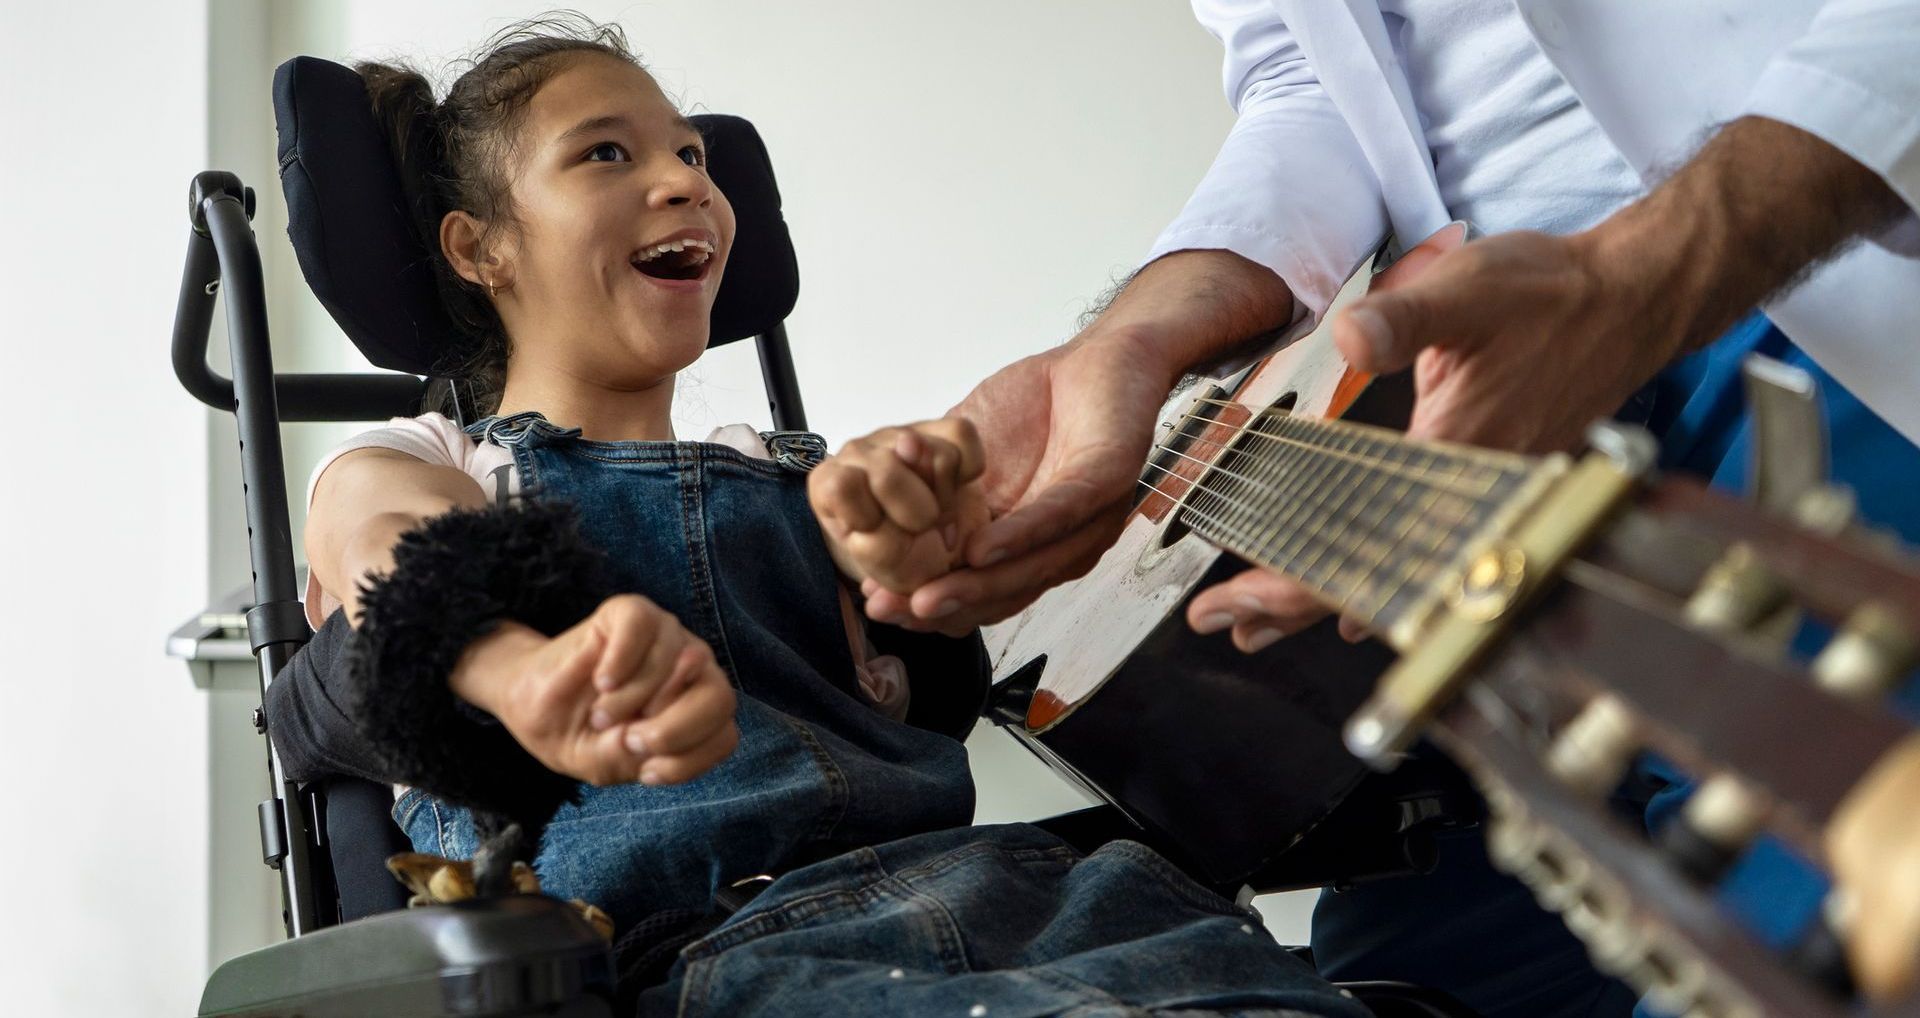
620	236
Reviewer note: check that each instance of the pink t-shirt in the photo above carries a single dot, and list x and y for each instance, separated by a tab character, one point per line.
434	438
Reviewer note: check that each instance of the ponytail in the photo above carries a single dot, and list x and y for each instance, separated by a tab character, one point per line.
416	133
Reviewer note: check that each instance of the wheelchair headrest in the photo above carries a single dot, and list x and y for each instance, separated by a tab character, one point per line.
347	217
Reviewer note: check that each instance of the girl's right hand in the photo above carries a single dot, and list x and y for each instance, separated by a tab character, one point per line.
625	695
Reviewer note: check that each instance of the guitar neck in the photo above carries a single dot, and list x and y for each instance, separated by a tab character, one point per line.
1367	519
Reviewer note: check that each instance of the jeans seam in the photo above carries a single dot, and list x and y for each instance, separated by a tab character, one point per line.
693	532
784	916
1171	877
952	945
837	785
948	860
439	829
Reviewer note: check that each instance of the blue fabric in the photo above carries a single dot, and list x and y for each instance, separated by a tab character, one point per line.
1774	891
1006	922
1007	917
1478	934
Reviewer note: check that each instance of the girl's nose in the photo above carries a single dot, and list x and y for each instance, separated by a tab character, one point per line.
677	183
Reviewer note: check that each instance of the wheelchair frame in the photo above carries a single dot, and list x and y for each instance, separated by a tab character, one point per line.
223	259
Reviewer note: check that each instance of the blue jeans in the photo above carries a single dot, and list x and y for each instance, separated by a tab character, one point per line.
1005	922
1006	918
1478	933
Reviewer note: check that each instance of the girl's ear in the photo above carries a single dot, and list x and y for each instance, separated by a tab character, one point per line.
460	240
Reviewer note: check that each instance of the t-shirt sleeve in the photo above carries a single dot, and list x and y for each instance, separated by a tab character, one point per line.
429	438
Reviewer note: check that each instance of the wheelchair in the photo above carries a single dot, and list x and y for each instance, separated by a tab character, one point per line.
354	948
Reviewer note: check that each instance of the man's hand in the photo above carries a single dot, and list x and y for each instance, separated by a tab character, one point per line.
625	695
897	505
1521	340
1067	431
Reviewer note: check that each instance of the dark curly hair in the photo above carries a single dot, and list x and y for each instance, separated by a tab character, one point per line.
456	154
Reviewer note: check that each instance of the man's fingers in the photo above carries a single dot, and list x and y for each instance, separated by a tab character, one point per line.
1068	504
1428	298
1259	606
965	599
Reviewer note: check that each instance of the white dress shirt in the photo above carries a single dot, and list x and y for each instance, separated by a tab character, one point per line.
1329	148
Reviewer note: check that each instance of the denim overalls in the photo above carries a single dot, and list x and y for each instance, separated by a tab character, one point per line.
911	911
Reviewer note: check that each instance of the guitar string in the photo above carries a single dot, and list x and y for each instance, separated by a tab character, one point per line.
1431	542
1433	550
1456	448
1411	569
1241	431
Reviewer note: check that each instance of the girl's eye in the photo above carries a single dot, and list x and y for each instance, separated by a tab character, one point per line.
606	152
693	155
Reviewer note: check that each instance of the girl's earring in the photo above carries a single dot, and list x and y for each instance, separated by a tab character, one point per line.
491	291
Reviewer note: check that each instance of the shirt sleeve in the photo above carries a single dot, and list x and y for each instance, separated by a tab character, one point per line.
1853	80
1290	188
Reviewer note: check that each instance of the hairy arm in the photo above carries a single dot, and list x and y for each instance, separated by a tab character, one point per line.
1754	211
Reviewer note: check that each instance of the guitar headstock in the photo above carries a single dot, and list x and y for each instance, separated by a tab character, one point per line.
1695	627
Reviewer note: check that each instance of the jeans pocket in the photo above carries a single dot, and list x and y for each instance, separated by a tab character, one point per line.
404	808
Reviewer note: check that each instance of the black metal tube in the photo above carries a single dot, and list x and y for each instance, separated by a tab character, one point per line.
783	386
308	397
262	473
193	320
255	408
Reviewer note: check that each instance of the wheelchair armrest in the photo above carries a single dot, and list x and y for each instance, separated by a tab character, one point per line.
521	955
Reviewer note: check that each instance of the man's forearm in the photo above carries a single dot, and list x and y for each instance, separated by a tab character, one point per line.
1191	307
1757	206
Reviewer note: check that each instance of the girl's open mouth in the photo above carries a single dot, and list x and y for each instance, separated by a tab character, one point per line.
684	259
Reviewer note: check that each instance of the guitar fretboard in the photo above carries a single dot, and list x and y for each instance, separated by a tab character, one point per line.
1363	516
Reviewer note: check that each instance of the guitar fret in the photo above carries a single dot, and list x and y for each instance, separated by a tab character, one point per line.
1357	514
1329	541
1314	491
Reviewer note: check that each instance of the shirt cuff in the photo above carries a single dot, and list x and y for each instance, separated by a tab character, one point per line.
1880	135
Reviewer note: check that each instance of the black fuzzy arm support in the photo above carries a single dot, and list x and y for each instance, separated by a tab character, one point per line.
455	577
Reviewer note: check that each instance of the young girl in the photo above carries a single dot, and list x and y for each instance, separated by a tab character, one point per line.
669	621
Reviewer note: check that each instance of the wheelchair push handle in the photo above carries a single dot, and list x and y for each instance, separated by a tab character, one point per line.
299	397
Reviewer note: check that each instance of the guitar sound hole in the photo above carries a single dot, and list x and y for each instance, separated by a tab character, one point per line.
1190	442
1179	450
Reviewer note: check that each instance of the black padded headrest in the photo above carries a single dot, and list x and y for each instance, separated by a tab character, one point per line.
347	217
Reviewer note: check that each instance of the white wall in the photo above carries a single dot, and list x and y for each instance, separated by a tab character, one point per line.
102	510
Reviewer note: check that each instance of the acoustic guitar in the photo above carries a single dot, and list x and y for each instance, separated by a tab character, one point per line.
1543	621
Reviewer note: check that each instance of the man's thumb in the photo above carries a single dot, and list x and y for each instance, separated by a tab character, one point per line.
1381	334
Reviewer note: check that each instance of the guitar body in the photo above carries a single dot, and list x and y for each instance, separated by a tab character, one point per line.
1231	757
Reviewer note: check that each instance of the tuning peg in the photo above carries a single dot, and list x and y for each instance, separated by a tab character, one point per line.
1872	652
1716	824
1591	753
1739	594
